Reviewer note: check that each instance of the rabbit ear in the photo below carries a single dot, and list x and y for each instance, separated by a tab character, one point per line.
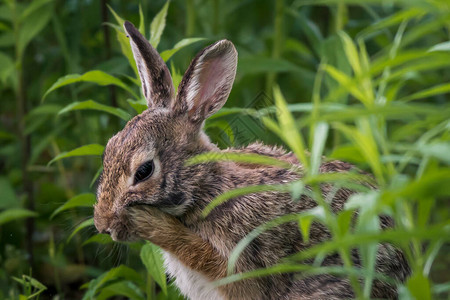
207	82
155	76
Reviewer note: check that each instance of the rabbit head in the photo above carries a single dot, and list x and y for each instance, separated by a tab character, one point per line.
144	163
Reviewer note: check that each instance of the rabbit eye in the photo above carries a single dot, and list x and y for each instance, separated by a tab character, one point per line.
144	171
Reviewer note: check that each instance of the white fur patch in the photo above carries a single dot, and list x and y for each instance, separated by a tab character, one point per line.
191	283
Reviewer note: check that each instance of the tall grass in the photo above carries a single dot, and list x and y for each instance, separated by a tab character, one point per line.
360	81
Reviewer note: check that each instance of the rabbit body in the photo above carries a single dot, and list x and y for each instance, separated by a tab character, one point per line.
147	191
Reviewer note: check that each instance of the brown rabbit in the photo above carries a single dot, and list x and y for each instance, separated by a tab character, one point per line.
146	190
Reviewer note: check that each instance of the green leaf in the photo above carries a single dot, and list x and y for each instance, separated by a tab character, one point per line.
44	109
82	200
351	53
317	211
297	189
96	76
92	105
437	149
240	192
34	283
249	158
304	224
435	90
28	282
14	214
367	222
176	76
5	11
8	136
154	263
431	184
254	65
224	126
123	288
141	21
272	126
348	83
86	150
99	238
7	39
89	222
32	25
419	286
97	174
119	20
320	137
167	54
445	46
366	145
138	106
8	198
110	277
394	19
311	31
289	131
348	152
7	68
32	7
157	26
344	221
441	288
226	111
124	42
299	48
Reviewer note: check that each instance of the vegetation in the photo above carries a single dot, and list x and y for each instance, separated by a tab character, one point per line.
363	81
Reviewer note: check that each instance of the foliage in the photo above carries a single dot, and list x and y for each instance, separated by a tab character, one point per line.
360	81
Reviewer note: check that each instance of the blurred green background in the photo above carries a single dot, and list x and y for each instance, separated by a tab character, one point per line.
284	43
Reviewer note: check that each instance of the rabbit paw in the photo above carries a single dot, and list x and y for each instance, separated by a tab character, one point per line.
150	223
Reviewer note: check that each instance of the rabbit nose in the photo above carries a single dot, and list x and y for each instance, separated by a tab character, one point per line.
102	228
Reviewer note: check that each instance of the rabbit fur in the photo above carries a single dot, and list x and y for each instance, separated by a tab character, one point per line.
166	207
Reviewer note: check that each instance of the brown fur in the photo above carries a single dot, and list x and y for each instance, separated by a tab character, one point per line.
166	208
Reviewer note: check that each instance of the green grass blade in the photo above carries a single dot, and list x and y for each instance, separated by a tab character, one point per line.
157	26
88	223
86	150
82	200
289	131
248	158
14	214
435	90
241	192
96	76
167	54
92	105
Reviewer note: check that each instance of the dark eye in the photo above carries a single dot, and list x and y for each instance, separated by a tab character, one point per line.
144	171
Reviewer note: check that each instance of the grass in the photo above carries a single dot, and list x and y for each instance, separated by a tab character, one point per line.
369	87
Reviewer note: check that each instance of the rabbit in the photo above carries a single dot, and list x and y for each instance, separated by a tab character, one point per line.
147	191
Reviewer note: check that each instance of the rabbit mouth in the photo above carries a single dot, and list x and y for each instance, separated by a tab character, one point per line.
121	233
122	229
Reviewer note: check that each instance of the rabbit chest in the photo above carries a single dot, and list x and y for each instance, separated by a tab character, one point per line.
191	283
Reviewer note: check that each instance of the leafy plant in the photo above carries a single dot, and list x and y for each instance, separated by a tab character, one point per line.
372	90
360	81
32	287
